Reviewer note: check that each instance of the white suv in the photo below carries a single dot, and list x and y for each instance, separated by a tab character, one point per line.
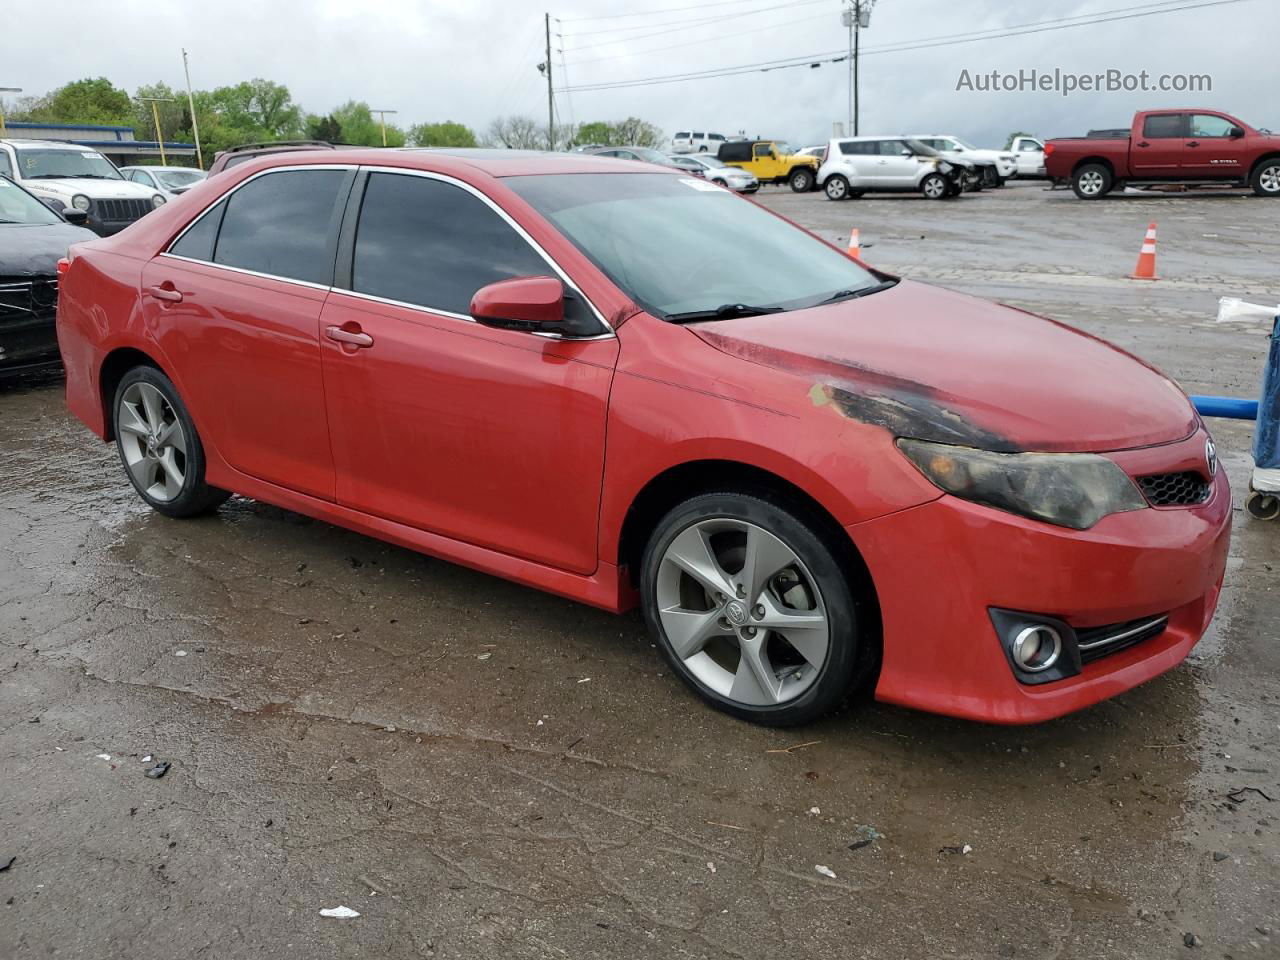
852	166
68	175
1002	162
696	141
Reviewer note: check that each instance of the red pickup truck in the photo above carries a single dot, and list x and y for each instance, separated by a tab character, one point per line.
1169	146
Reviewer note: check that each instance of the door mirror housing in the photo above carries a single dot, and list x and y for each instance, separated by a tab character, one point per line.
906	152
1237	132
532	304
75	217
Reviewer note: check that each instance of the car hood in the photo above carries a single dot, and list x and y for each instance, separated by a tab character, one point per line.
28	250
936	365
94	189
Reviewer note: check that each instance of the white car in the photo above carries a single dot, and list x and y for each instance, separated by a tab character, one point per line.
1029	152
1003	162
170	181
68	175
853	166
717	171
697	141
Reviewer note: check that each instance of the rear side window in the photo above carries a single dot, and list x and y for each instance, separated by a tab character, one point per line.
1164	125
736	152
283	224
857	147
197	243
432	244
699	136
682	135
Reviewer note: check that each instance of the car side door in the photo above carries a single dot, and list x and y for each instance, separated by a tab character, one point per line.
234	303
764	162
897	164
1158	151
490	436
1212	151
1030	154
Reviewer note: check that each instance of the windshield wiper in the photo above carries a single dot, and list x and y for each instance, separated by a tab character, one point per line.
725	311
860	292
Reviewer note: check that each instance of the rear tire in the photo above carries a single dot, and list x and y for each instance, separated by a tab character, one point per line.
721	563
801	180
1266	178
158	445
836	187
1092	181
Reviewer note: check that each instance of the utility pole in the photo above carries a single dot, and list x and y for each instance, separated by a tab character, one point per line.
155	115
855	16
6	90
191	102
551	101
382	116
857	29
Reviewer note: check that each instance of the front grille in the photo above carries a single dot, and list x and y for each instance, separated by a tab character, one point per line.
115	211
1096	642
28	298
1174	489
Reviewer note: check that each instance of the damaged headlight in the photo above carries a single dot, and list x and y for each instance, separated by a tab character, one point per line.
1073	490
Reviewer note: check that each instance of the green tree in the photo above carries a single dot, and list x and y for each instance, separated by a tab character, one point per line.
175	117
446	134
81	101
1008	143
631	132
597	132
325	128
362	128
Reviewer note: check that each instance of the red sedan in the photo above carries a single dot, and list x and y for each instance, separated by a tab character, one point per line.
628	386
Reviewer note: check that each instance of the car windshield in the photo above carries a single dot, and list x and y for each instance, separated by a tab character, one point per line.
921	149
678	245
36	164
178	178
963	143
18	206
653	156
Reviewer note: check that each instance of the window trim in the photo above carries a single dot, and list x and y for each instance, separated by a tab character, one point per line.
350	209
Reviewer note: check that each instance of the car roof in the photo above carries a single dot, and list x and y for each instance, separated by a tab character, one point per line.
42	144
493	162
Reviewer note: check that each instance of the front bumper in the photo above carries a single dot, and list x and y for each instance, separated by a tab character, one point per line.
940	567
28	338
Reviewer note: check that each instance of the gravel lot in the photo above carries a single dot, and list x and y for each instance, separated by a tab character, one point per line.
482	770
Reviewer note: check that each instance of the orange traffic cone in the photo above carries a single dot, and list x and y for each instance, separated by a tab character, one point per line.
1146	268
855	249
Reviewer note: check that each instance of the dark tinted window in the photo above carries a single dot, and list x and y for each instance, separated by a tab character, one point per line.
430	243
857	147
682	135
197	242
715	136
1164	125
281	224
737	151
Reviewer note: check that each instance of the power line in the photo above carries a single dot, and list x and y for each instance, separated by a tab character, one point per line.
817	59
686	25
695	21
646	13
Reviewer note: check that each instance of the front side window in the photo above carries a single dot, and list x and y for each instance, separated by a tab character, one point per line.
38	164
433	244
1210	125
1164	125
892	148
676	247
698	136
715	136
763	149
282	224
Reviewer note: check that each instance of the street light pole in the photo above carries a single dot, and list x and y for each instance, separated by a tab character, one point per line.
855	16
6	90
191	102
155	115
382	117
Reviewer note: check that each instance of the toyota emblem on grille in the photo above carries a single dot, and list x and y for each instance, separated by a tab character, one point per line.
1211	457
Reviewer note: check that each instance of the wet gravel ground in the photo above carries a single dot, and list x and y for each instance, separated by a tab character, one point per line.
481	770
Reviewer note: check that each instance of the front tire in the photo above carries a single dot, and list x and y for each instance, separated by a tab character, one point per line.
1092	181
159	447
801	180
752	609
935	187
836	187
1266	179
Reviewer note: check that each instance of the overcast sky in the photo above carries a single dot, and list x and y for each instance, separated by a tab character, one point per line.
474	59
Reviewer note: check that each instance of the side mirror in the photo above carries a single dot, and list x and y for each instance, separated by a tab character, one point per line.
532	304
907	153
1237	132
75	217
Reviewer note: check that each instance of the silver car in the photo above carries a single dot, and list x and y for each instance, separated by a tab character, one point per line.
717	171
170	181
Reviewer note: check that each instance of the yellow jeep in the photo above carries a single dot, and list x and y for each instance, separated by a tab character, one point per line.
770	163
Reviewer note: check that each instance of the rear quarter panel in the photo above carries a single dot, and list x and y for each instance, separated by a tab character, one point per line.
1063	155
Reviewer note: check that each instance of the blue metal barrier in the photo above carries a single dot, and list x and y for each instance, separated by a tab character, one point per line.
1230	408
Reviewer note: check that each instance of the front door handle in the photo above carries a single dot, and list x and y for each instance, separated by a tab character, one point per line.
1144	144
165	292
355	338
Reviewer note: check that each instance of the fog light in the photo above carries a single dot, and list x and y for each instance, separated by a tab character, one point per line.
1036	648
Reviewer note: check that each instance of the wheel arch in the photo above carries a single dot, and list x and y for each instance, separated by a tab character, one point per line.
114	366
678	483
1274	155
1102	161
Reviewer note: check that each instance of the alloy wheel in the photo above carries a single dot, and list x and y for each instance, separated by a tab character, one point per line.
152	441
1269	179
934	188
1091	182
741	612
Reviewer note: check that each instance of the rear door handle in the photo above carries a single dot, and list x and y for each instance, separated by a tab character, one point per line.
354	337
166	292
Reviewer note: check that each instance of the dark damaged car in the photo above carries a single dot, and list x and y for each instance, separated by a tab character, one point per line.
32	240
628	386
